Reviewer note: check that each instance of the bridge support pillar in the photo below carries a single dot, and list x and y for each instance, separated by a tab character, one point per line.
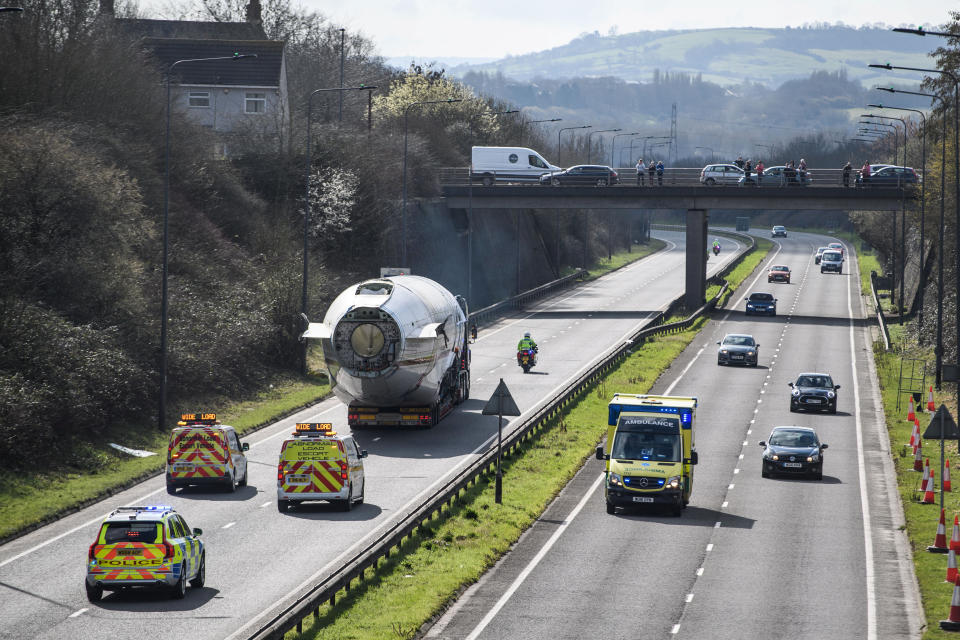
696	282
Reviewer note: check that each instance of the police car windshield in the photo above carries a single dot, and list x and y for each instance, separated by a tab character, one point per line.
660	447
141	531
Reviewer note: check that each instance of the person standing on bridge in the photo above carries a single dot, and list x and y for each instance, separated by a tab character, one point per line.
846	174
660	173
865	173
759	170
641	169
747	169
652	168
739	161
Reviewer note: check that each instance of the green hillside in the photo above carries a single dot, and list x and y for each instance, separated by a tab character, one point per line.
723	56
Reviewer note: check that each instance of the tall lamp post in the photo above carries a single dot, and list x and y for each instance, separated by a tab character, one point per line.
403	214
613	145
956	171
923	173
470	205
539	121
901	121
306	207
654	138
589	147
896	137
562	129
938	350
162	417
710	149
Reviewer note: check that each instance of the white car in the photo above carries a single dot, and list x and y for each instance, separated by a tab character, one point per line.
720	174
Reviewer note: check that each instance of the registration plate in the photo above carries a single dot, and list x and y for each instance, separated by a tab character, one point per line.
185	468
128	552
792	465
298	479
642	499
735	357
814	401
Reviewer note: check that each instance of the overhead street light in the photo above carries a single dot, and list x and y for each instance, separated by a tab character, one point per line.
956	174
901	121
923	173
613	145
5	9
592	133
306	216
550	120
653	138
562	129
162	414
403	212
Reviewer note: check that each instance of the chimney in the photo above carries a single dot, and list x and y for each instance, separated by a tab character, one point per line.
254	12
106	7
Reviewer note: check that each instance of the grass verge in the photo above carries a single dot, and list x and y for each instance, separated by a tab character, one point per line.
96	470
602	266
455	549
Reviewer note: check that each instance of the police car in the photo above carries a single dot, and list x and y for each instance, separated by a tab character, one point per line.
317	464
148	546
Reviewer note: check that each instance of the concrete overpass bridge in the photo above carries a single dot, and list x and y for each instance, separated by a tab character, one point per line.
697	200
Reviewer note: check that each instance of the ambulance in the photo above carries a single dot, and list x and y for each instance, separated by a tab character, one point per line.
145	546
204	452
649	452
318	464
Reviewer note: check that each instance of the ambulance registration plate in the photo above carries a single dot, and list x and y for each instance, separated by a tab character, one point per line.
185	468
642	499
298	479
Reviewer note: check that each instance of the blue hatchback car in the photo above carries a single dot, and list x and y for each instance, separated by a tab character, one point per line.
762	303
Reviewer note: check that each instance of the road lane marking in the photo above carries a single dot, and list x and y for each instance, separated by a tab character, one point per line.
700	571
675	629
266	504
689	597
228	525
534	562
710	547
79	612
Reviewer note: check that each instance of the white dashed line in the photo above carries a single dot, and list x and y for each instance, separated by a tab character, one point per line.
80	612
710	547
689	597
266	504
228	525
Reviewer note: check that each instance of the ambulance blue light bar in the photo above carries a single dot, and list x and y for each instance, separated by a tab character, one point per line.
686	416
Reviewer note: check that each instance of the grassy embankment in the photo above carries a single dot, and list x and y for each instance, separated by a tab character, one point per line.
602	266
921	519
97	470
458	547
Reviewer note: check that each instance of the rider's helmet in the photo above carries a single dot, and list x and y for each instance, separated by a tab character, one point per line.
526	335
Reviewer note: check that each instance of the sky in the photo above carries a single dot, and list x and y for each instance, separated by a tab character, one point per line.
425	29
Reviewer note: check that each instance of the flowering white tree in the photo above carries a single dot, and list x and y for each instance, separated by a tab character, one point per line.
333	195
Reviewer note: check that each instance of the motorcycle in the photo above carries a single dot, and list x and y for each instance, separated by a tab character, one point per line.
716	249
527	359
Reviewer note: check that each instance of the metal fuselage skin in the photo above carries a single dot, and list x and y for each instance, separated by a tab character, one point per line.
389	342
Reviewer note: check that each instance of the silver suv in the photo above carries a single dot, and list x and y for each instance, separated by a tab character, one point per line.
778	231
720	174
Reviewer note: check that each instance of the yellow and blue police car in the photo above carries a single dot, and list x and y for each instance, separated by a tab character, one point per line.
149	546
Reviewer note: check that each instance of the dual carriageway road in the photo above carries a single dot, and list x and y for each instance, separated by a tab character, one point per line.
258	559
750	557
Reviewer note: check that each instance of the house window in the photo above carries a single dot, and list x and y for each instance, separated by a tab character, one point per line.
255	103
199	99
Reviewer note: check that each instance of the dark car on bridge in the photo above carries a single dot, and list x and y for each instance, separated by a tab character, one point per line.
793	451
738	348
814	391
890	176
582	174
761	303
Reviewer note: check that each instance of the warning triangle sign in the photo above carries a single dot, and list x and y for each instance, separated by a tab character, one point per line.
501	403
950	430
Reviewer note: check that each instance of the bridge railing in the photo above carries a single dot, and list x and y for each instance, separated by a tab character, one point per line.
677	177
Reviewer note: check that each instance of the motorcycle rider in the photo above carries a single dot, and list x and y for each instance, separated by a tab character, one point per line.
526	342
716	246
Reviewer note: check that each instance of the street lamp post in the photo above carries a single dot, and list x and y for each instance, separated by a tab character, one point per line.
896	139
162	417
562	129
901	121
652	138
893	221
710	149
923	173
956	173
470	206
342	52
403	211
613	145
938	350
306	207
589	148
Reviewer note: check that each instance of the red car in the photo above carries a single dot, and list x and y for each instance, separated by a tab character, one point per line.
779	273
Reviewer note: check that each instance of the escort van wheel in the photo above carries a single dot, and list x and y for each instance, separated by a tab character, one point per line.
180	589
347	505
94	593
246	472
201	577
611	509
283	505
231	486
362	492
171	489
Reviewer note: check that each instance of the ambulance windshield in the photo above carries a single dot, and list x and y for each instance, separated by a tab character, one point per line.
640	438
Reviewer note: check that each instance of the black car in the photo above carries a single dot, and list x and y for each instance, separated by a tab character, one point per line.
793	450
814	391
582	174
890	177
738	348
761	303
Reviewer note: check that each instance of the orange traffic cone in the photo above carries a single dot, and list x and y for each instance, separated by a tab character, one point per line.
955	536
913	437
940	541
946	476
930	406
953	622
928	492
926	473
911	415
951	566
918	458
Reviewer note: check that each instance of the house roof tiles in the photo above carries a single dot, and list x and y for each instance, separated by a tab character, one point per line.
262	71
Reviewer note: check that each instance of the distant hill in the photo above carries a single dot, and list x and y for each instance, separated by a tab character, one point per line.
723	56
